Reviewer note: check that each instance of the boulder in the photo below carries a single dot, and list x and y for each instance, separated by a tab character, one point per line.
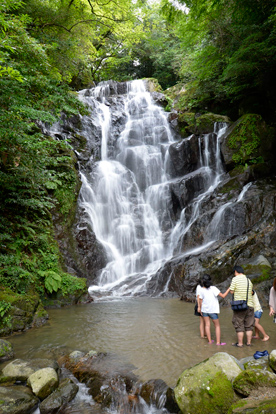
207	387
65	393
272	360
17	400
43	382
6	350
20	370
251	379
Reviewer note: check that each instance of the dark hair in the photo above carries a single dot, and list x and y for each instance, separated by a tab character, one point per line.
238	269
274	283
206	281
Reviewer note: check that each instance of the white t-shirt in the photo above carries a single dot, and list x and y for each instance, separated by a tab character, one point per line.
210	303
198	290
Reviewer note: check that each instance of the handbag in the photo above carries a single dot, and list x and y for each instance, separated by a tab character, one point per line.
240	305
196	311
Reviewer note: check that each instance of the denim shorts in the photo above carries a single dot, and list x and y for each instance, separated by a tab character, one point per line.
258	314
211	315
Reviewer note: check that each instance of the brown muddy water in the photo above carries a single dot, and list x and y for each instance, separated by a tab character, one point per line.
160	337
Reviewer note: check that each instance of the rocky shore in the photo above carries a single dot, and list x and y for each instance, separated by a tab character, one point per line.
221	384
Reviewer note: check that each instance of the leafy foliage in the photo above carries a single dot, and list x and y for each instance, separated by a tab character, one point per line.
228	54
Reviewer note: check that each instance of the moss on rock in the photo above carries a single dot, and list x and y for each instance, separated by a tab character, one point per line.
251	379
192	123
248	141
206	387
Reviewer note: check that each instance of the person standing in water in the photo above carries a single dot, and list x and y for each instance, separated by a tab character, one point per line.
257	314
209	306
243	321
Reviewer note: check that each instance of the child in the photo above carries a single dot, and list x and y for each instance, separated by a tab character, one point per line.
209	307
258	313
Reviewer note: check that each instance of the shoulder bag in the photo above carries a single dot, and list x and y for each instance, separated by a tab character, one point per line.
240	305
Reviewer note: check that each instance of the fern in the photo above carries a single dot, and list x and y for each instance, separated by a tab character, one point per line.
52	280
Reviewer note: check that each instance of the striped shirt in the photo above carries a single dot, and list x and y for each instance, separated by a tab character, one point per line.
239	286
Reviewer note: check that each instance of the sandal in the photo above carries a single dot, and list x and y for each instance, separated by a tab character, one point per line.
237	345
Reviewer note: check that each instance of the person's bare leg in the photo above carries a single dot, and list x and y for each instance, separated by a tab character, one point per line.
240	338
257	333
259	327
217	330
208	328
202	327
248	337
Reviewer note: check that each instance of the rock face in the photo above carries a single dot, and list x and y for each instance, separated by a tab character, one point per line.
219	206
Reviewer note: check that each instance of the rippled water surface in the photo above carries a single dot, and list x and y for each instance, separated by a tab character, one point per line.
160	337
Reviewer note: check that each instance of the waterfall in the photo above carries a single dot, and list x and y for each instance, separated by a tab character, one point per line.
127	193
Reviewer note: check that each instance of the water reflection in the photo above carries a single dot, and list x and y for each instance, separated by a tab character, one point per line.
160	337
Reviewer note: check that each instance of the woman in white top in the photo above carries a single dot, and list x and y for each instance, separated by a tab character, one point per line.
258	313
209	307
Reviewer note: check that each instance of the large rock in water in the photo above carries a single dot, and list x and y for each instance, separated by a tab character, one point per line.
17	400
43	382
20	370
64	394
207	387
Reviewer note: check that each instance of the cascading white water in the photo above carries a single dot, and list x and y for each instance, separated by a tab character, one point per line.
118	194
127	194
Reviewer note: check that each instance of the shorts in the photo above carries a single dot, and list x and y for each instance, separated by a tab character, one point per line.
258	314
244	320
211	315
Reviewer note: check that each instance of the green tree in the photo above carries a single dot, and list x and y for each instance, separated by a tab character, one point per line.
228	51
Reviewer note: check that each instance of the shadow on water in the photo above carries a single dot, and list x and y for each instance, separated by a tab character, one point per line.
160	337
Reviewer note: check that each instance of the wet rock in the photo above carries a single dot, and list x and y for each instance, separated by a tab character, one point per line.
65	393
6	350
101	373
184	156
157	392
17	400
43	382
20	370
207	386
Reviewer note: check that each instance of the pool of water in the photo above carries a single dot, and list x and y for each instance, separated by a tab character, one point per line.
160	337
